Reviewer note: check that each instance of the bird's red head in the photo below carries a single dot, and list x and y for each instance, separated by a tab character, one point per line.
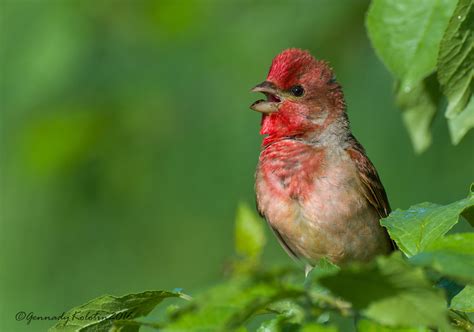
303	97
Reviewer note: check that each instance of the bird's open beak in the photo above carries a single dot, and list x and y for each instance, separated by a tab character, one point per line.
273	98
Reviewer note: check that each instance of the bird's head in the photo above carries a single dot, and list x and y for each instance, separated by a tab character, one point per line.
302	96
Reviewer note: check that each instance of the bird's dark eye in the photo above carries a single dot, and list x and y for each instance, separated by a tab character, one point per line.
297	91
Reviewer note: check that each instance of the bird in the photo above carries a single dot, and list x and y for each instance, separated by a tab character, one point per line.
314	184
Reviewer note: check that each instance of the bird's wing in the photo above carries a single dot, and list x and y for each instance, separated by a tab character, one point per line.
374	191
281	240
285	246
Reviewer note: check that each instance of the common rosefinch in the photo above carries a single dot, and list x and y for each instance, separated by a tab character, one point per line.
315	185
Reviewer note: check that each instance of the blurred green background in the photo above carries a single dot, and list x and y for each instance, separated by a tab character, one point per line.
127	141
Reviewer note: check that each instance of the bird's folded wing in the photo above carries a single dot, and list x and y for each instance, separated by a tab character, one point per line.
282	242
373	188
285	246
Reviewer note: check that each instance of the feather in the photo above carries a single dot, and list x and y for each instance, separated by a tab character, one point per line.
374	191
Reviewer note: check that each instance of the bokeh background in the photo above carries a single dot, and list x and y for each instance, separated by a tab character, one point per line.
127	141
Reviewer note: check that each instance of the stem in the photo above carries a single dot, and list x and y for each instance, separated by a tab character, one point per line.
345	308
461	321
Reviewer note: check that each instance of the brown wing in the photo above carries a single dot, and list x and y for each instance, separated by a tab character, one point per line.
374	190
284	245
280	239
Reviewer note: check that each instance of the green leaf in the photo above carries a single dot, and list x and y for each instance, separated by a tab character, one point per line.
290	316
229	305
323	268
452	255
450	286
419	103
100	313
462	243
460	124
366	325
456	68
464	300
390	292
416	228
272	325
406	34
289	310
320	295
279	324
468	213
249	234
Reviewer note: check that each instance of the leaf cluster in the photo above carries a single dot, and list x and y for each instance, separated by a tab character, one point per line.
427	285
428	46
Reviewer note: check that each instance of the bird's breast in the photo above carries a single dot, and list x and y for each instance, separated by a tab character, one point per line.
313	198
288	169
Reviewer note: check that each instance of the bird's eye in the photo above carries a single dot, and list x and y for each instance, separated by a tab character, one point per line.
297	91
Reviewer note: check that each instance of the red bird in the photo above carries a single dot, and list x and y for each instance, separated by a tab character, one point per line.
315	185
